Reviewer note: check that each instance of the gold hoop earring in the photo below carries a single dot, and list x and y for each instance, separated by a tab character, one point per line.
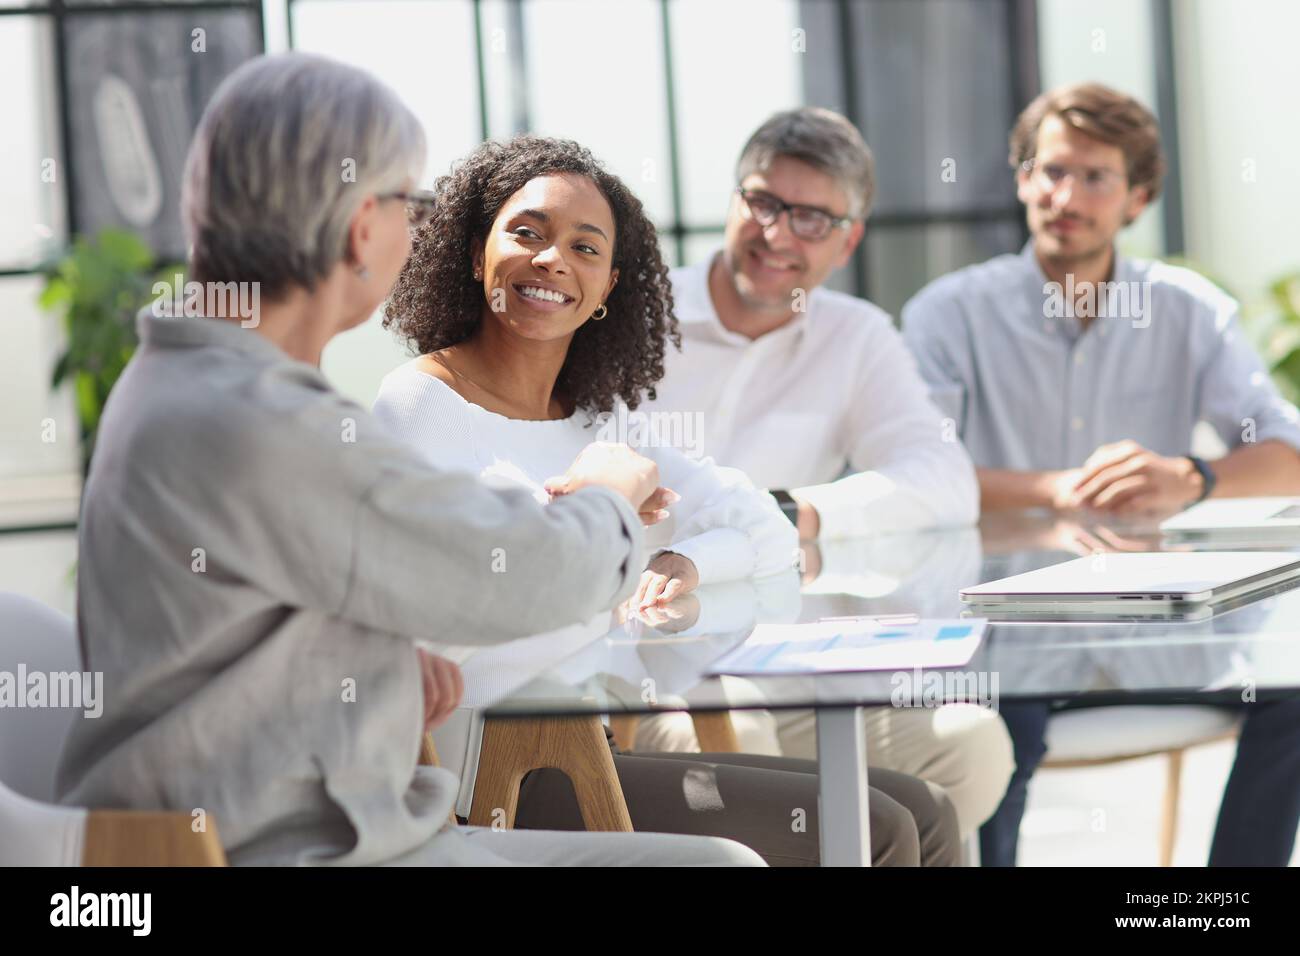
600	312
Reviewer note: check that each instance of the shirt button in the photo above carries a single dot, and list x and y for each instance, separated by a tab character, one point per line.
1076	423
1078	358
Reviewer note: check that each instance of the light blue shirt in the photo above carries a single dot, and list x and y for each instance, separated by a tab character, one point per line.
1029	389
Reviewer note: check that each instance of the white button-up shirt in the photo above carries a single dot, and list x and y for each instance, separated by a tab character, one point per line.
833	391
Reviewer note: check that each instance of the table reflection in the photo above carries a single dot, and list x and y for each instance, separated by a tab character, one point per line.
643	662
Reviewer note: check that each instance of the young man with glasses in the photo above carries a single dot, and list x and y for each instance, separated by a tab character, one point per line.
1076	376
814	395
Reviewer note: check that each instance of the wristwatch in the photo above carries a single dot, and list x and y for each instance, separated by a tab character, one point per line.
1207	477
789	507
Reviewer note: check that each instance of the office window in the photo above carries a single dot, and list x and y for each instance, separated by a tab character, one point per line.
31	165
110	92
595	74
424	50
746	53
934	85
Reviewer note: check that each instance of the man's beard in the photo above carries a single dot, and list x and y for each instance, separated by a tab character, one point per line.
1068	256
753	300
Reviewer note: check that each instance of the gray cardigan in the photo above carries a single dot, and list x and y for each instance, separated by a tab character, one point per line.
257	557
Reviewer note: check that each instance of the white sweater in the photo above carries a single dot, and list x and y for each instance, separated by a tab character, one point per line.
727	527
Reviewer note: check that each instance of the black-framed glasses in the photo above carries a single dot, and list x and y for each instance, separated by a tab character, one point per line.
806	222
419	205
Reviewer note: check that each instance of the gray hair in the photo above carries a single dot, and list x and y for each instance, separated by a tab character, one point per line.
824	140
285	152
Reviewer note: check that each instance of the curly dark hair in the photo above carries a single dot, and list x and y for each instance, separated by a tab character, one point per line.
437	303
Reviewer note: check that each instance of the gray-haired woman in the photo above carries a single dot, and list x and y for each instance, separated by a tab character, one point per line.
258	555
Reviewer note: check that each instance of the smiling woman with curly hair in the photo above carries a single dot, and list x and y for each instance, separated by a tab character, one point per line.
438	302
539	302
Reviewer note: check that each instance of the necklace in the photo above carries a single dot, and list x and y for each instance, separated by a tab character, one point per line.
439	359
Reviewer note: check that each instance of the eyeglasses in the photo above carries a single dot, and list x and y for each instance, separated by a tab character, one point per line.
1093	181
806	222
420	205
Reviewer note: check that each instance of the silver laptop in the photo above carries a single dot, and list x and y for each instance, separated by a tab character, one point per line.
1247	520
1175	585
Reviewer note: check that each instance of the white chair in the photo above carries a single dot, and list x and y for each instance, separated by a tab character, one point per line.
1096	736
31	738
33	832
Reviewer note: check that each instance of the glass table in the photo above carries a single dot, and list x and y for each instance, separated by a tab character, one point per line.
626	664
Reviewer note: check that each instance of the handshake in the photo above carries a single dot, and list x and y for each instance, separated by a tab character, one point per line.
617	467
635	477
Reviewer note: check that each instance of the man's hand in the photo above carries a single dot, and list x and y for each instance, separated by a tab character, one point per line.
1059	487
613	465
443	688
1084	539
1125	478
667	576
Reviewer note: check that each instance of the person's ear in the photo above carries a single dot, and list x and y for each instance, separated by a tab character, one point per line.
476	256
361	233
1024	190
609	287
856	231
1135	203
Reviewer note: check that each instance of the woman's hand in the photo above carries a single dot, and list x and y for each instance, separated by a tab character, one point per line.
655	508
667	576
443	688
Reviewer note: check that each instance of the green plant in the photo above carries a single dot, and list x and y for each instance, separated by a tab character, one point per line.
98	287
1277	327
1271	322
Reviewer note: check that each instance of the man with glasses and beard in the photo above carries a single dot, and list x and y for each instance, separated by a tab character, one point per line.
813	394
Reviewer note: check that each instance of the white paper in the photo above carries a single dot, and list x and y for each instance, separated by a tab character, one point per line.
839	646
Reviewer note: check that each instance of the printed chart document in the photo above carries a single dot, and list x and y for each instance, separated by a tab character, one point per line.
861	644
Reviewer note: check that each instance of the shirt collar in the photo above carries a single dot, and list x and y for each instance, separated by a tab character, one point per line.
695	307
1036	281
161	329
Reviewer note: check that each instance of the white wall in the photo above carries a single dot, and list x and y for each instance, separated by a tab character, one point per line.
1238	86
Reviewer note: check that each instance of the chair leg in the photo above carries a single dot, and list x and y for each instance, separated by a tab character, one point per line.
575	745
716	733
428	752
148	838
1169	816
624	728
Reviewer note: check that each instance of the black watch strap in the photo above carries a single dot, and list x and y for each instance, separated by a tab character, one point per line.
789	507
1207	477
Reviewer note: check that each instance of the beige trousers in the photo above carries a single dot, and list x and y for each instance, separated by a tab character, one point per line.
963	748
